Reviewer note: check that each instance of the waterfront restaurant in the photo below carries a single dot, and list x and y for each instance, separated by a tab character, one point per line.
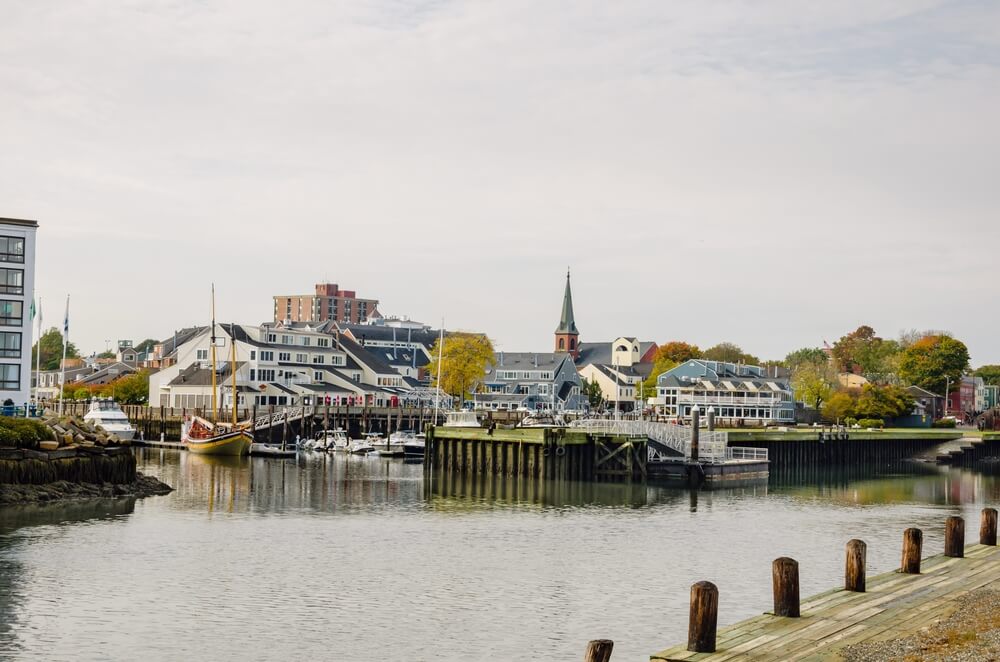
741	394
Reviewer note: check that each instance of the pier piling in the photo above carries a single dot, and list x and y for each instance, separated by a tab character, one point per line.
988	527
913	540
703	618
785	581
854	568
954	537
599	650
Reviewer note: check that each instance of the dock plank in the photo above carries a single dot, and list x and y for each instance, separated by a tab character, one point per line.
895	605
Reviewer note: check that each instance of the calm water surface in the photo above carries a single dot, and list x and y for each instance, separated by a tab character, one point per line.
350	558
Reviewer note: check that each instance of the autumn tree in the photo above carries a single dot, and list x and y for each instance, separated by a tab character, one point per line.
814	383
130	389
51	343
676	351
839	406
465	358
861	350
728	352
933	361
883	401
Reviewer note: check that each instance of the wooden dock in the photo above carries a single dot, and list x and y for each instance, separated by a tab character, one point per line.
891	606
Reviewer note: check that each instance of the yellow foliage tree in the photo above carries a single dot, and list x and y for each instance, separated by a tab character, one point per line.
464	360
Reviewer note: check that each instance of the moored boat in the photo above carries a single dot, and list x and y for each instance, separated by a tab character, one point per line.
414	447
362	446
107	414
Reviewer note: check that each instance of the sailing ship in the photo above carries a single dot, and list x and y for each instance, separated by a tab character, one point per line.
204	437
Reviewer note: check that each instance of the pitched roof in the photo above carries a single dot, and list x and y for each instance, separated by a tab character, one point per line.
600	352
529	360
567	323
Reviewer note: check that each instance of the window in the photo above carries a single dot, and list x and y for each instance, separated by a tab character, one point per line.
318	358
318	375
12	249
287	340
265	375
322	342
266	356
201	355
562	343
253	354
11	313
12	281
305	341
10	376
302	358
253	375
10	345
284	356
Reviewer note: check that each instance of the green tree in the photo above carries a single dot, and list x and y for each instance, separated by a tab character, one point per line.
838	406
106	355
934	360
592	391
676	351
729	353
129	389
814	383
989	373
146	345
806	356
861	349
51	343
465	359
883	401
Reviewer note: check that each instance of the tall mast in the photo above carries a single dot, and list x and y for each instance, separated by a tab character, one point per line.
215	402
232	368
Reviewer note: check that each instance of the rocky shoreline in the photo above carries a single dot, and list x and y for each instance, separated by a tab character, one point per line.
13	494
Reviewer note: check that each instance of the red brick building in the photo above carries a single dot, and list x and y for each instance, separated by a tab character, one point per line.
328	303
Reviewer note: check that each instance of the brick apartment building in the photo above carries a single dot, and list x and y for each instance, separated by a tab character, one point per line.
328	303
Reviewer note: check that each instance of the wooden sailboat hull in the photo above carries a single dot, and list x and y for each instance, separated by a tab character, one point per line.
233	443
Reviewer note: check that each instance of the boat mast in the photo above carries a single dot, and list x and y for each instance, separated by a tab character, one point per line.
232	368
215	403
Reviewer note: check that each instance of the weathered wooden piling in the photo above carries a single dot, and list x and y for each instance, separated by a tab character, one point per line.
954	537
854	566
785	582
703	618
599	650
988	527
913	540
695	430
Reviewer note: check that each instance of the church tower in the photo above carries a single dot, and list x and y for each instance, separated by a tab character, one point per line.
567	337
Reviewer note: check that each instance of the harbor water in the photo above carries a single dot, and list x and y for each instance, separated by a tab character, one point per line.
359	558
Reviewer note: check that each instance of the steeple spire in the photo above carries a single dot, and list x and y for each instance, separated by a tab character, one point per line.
567	324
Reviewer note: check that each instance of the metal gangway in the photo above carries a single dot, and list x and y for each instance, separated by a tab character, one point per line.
667	441
279	417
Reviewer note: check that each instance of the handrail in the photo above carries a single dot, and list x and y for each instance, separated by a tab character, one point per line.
713	446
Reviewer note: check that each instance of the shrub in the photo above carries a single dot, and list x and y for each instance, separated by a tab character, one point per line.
944	423
23	433
850	421
871	423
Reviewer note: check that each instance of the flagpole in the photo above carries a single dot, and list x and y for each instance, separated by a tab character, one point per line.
62	365
38	353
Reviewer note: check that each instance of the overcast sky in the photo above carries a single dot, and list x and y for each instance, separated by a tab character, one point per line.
769	173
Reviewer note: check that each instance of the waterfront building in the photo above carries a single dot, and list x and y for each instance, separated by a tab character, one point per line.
980	397
926	402
285	364
17	291
740	394
407	346
531	381
328	303
962	398
619	367
49	382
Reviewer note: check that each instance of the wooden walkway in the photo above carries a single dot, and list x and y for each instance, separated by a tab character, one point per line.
895	605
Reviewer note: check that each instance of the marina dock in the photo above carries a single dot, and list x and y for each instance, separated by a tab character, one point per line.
886	607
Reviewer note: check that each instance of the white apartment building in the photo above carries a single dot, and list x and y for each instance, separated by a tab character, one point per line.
17	289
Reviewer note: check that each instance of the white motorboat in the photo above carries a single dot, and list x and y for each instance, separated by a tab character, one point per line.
365	445
396	444
414	447
105	413
335	440
461	419
272	450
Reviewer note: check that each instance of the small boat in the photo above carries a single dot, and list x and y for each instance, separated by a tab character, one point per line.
334	440
461	419
207	438
361	446
395	445
105	413
271	450
204	437
414	447
543	420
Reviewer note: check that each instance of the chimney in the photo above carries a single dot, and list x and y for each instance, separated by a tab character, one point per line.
501	358
536	360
